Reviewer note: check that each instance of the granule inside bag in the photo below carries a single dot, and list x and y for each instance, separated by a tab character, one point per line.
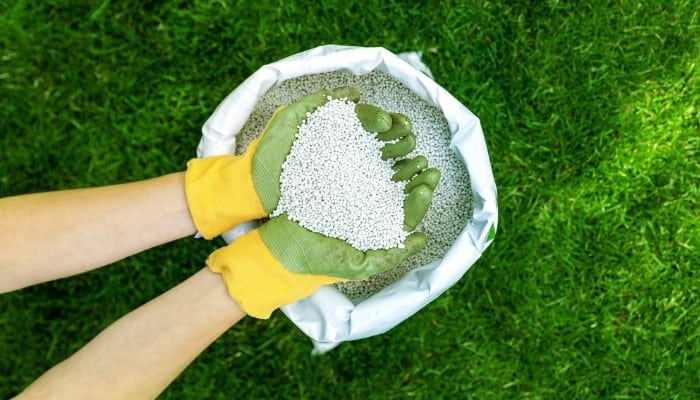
451	207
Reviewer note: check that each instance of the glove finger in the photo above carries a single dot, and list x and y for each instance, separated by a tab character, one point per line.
378	261
429	177
373	118
400	126
350	93
399	148
415	206
409	167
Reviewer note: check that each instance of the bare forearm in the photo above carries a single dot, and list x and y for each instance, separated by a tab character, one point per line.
140	354
58	234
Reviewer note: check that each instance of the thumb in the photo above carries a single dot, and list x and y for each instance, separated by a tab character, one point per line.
378	261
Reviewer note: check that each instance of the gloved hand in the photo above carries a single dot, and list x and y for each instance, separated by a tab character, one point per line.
281	262
223	191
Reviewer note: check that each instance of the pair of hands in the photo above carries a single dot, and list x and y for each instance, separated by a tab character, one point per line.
281	262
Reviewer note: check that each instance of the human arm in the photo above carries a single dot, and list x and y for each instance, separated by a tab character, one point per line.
115	361
141	353
53	235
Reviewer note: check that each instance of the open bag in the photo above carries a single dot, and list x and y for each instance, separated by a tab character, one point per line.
328	317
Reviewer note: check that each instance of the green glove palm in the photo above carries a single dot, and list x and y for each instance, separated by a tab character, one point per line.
303	251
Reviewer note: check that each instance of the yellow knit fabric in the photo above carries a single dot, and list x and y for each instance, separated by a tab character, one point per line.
220	192
257	281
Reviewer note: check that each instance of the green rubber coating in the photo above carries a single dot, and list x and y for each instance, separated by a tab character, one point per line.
400	148
410	167
401	163
304	252
429	177
349	93
415	206
373	118
400	126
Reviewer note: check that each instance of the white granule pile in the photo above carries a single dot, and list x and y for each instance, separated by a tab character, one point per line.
334	181
451	208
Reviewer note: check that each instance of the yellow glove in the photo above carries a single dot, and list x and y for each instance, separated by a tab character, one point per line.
282	262
256	280
223	191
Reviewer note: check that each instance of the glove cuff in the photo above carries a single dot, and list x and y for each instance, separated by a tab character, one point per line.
221	194
256	280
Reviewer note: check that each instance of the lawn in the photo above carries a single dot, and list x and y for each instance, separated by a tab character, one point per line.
591	113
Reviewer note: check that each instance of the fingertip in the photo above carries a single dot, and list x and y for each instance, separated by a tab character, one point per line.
401	126
350	93
415	242
400	148
429	176
416	205
408	168
373	118
423	194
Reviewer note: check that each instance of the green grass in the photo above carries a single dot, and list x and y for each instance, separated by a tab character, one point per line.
592	118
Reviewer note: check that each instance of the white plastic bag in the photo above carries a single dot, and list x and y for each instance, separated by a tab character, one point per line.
328	317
